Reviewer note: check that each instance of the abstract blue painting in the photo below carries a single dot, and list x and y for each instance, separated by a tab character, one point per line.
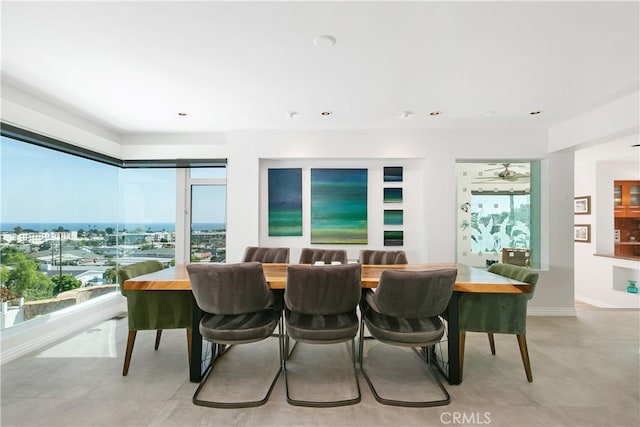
339	206
392	195
285	202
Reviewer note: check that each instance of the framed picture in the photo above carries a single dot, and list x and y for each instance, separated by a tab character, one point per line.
392	195
393	238
285	202
339	206
393	217
393	174
582	205
582	233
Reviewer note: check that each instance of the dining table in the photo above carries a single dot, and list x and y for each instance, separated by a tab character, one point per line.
468	279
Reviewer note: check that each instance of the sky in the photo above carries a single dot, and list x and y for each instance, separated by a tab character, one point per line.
42	185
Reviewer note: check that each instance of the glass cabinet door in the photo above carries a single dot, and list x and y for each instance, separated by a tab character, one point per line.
634	195
617	195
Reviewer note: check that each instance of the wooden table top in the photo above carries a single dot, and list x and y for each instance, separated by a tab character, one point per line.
469	279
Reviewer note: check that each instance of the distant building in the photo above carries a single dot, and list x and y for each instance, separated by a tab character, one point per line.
37	238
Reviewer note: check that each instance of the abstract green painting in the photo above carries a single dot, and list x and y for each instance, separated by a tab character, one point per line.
393	238
393	217
339	206
285	202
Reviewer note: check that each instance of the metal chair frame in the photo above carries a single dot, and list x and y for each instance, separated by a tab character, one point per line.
425	355
320	404
222	349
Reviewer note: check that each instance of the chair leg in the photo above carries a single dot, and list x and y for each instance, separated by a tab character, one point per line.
322	404
189	345
158	336
249	404
406	403
361	343
492	343
131	339
462	336
524	352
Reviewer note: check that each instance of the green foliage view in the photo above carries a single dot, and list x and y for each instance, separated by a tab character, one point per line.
64	283
21	277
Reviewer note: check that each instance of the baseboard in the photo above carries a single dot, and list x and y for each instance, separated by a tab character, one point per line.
42	331
551	311
595	302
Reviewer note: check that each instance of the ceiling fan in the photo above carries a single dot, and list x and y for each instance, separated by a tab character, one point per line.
505	173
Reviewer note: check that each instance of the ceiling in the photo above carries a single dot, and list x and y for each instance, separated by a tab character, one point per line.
133	66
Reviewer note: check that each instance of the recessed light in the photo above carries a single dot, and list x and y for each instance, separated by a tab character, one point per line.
326	113
435	113
406	114
533	113
324	41
182	114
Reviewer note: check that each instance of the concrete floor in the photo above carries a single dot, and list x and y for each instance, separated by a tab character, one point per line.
585	369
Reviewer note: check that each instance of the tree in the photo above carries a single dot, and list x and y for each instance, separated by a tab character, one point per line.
109	230
9	255
25	279
45	246
65	282
4	274
17	230
110	275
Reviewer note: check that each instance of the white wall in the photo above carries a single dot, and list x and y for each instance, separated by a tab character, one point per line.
602	141
601	281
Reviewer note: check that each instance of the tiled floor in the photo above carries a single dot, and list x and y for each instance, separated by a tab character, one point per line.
585	368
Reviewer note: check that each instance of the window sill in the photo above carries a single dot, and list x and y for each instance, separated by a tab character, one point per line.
42	331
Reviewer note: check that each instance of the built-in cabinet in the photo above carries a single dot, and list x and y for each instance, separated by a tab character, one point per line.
626	212
626	199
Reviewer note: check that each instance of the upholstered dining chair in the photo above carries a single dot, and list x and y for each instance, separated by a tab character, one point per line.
498	313
153	310
238	308
320	308
327	256
270	255
405	311
368	256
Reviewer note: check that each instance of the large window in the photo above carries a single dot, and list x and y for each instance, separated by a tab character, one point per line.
208	215
499	208
69	218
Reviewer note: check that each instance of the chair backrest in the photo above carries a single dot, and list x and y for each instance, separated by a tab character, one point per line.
414	294
229	288
518	273
260	254
368	256
310	256
135	270
323	289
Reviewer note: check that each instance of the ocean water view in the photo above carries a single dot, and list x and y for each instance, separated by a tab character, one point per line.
75	226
